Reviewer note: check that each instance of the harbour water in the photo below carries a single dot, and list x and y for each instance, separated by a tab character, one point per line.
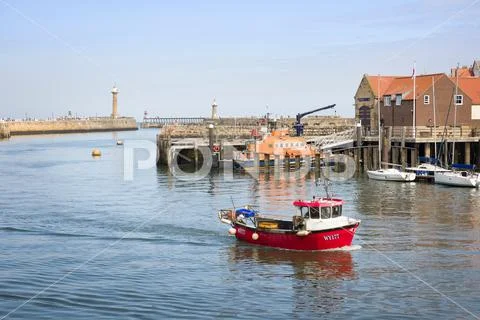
78	241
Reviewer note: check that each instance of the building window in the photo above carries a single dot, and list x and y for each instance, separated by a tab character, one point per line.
458	99
387	101
476	112
398	99
426	99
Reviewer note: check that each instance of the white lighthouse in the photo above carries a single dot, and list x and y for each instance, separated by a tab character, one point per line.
114	102
214	110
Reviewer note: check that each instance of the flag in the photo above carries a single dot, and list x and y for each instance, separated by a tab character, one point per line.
413	72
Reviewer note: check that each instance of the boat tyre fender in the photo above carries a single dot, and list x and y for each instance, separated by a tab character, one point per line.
303	233
298	222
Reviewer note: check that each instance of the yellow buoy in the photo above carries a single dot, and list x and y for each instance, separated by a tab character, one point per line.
96	153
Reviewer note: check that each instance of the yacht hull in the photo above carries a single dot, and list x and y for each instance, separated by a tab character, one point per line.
391	175
456	179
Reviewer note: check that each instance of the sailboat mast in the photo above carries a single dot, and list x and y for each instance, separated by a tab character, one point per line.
379	124
455	113
414	101
434	120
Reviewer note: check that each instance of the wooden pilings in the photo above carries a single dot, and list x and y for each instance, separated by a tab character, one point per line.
414	155
477	154
467	153
366	159
403	158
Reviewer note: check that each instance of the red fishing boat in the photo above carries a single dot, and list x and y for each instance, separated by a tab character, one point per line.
318	224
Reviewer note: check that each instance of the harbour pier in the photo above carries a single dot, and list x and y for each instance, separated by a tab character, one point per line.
185	141
403	146
400	146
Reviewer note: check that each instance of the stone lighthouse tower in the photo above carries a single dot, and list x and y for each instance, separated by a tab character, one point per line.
214	110
114	102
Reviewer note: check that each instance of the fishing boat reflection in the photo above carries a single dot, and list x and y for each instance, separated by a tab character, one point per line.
314	282
307	265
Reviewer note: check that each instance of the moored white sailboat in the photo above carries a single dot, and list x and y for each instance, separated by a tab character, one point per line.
390	174
459	177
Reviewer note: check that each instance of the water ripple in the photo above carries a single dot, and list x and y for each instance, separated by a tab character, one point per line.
96	246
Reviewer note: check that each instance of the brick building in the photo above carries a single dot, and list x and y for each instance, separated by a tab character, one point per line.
366	107
396	101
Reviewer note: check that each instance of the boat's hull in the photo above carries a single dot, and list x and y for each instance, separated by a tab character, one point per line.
317	240
391	176
456	180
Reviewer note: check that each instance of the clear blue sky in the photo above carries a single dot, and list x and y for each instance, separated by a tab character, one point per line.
173	57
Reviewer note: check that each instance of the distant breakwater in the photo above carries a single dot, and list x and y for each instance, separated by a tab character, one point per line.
13	128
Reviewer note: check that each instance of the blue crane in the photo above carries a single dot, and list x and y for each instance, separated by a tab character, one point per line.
298	124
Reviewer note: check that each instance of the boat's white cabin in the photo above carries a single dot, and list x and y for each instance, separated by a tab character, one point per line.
321	214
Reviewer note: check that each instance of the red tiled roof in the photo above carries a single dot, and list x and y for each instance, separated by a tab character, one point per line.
385	82
471	87
462	72
404	85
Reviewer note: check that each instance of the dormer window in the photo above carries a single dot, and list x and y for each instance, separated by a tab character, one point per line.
387	101
426	99
458	99
398	99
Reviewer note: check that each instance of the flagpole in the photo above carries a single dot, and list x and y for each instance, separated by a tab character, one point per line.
434	121
379	126
414	101
455	114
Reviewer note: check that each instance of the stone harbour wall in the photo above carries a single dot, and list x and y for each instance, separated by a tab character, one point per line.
242	127
4	131
70	125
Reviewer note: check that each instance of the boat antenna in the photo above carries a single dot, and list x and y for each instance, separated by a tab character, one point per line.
234	215
326	184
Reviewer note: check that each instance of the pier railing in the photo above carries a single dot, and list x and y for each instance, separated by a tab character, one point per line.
425	132
333	140
178	120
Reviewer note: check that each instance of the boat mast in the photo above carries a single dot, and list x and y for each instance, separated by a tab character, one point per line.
379	124
434	120
414	101
455	114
